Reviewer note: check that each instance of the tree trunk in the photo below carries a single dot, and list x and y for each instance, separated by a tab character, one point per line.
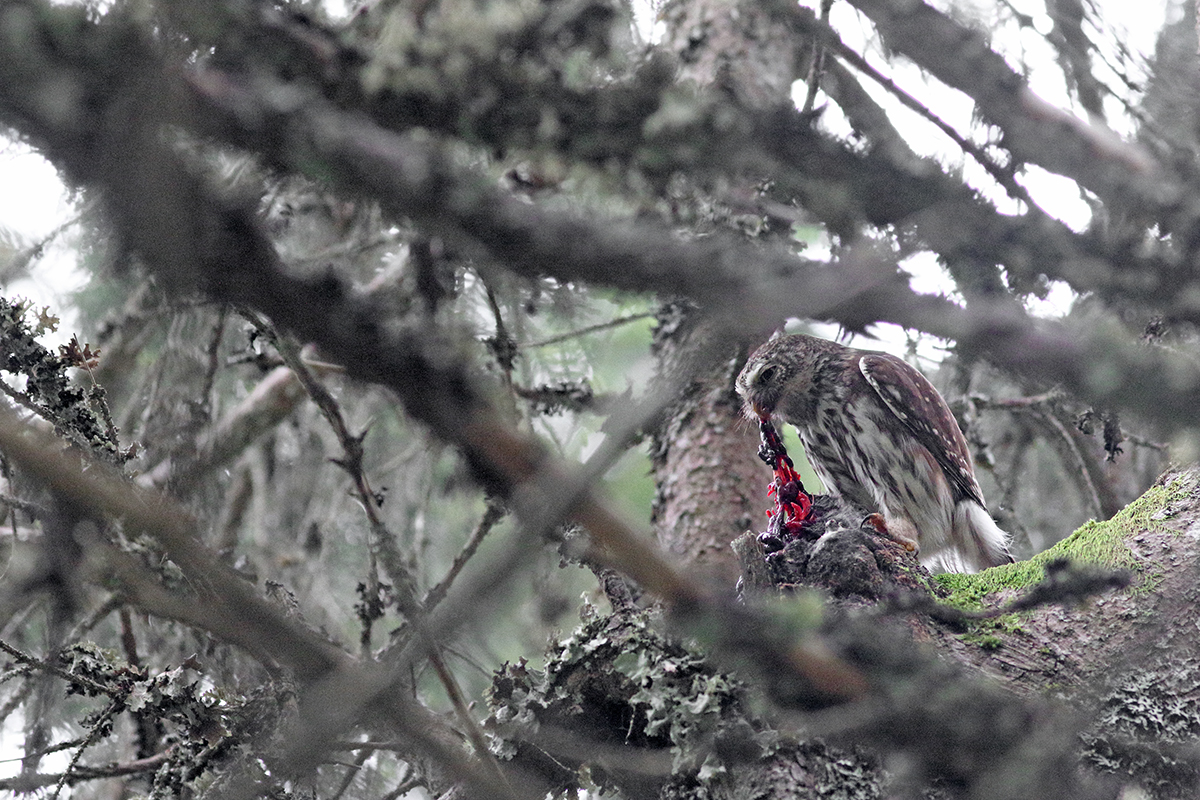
708	481
709	484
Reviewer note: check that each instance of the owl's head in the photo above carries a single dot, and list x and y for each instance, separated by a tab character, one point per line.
779	376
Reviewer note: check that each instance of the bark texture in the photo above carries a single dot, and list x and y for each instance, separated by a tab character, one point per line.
707	478
706	474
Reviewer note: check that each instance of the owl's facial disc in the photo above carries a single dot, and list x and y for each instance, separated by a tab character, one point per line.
758	386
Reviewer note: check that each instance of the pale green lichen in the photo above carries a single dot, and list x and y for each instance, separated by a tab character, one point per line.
620	679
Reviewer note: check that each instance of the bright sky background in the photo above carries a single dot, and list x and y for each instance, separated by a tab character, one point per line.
33	203
1135	24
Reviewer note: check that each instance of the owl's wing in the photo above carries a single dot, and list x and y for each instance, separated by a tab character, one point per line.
919	407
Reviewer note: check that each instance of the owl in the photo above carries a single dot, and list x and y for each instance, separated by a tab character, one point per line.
878	434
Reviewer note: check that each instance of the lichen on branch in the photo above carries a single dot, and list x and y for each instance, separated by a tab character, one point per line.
78	414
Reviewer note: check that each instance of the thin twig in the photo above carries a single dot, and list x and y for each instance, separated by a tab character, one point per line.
27	783
404	587
5	677
396	747
504	348
213	351
23	400
45	666
600	326
45	751
32	509
23	259
346	250
1033	401
351	772
404	787
351	461
494	513
817	68
1069	447
68	432
827	37
1045	410
1142	441
98	730
93	618
97	397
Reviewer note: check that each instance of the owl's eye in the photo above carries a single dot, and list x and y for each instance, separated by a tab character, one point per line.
767	374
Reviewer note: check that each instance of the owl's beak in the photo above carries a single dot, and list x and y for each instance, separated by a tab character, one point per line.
761	413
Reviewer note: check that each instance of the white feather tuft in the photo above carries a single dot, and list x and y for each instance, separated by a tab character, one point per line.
981	542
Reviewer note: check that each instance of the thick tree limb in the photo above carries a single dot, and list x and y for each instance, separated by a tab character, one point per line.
882	188
228	607
1035	131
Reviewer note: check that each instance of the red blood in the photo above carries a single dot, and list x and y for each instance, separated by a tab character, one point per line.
792	503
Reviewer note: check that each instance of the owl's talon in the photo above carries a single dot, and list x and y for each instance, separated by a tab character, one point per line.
880	525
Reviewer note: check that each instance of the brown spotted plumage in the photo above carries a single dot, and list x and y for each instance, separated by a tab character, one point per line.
881	436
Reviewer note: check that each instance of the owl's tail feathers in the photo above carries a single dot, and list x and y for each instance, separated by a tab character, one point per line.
980	541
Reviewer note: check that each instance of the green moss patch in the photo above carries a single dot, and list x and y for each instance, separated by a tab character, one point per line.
1102	543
